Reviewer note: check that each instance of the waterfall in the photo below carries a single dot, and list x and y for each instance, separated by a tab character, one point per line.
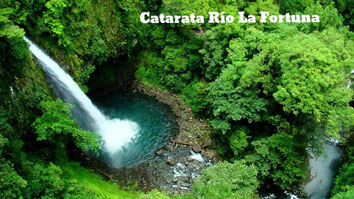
114	132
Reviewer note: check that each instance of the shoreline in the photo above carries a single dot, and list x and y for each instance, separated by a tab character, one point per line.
192	130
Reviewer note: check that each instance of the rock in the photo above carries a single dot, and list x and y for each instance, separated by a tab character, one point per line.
159	152
175	180
207	143
170	162
189	159
169	147
197	148
185	179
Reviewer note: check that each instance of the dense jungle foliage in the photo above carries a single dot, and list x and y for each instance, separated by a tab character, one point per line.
273	91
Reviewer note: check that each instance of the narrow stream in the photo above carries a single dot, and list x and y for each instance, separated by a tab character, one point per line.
323	170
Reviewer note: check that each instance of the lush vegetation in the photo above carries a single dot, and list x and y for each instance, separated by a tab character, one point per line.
272	91
226	180
344	182
36	128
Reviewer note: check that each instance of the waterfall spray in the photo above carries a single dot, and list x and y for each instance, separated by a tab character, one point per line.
114	132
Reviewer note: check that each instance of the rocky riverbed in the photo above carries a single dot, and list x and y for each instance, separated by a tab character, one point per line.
173	170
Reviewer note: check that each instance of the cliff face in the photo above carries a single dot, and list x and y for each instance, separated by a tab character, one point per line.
22	85
110	76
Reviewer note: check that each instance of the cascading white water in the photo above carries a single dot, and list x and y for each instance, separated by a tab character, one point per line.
114	132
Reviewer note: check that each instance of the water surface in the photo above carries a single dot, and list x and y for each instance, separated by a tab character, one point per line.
155	121
323	170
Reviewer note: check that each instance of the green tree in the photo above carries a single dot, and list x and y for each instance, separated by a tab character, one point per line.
226	180
279	158
328	14
53	16
345	195
238	140
195	94
300	77
294	6
314	79
7	28
56	123
12	183
344	181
